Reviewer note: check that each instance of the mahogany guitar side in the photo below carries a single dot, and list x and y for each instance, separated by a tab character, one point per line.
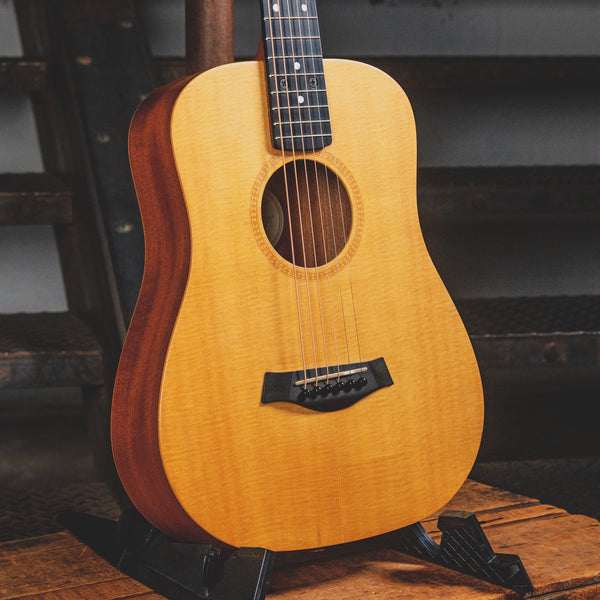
199	454
136	392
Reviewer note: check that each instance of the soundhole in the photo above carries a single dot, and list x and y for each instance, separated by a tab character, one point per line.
306	207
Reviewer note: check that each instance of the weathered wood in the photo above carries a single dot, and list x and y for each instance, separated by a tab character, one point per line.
534	332
34	34
561	554
47	349
213	330
455	192
23	74
108	55
208	34
85	257
59	564
34	198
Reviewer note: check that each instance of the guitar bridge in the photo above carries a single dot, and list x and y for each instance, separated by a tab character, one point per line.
327	389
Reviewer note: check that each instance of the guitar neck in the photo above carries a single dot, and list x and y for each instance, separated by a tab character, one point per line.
296	82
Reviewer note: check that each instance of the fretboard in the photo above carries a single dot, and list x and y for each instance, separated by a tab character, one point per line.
299	112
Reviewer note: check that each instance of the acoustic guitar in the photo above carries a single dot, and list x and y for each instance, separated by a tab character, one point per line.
295	374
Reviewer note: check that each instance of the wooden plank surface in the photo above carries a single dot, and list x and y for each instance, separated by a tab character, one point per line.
23	74
34	198
560	551
45	349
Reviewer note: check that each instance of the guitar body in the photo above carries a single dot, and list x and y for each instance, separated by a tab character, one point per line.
198	452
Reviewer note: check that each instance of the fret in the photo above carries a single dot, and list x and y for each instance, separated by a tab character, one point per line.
300	107
307	127
314	125
292	26
302	18
305	90
303	74
293	29
295	133
285	123
300	136
295	67
303	144
295	49
295	57
276	18
296	37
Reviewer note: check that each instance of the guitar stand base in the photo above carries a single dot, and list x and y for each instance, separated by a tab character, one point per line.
465	548
177	570
184	571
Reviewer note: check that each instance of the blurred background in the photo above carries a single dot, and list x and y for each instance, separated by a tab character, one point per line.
506	99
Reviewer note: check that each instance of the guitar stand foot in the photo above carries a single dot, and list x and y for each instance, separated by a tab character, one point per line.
464	548
177	570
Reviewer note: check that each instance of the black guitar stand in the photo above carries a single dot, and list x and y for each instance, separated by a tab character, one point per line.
183	571
178	571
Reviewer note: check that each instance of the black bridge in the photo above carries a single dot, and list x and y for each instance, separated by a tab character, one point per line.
330	388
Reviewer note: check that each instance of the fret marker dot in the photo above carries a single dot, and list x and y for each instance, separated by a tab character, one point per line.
304	7
297	66
300	99
275	7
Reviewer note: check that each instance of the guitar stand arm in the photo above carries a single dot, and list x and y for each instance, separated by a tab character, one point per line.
465	548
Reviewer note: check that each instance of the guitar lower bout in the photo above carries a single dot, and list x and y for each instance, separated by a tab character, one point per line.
229	296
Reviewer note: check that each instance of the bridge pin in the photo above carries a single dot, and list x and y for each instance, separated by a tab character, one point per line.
348	385
326	389
313	392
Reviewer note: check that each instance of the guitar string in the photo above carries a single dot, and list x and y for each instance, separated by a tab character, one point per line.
321	122
286	185
297	186
345	240
305	162
344	233
350	284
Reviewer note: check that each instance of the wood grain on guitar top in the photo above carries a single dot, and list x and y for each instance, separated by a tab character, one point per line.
280	476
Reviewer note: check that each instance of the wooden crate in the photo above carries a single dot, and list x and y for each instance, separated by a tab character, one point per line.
560	551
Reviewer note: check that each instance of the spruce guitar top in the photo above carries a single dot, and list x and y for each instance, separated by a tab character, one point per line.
295	374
